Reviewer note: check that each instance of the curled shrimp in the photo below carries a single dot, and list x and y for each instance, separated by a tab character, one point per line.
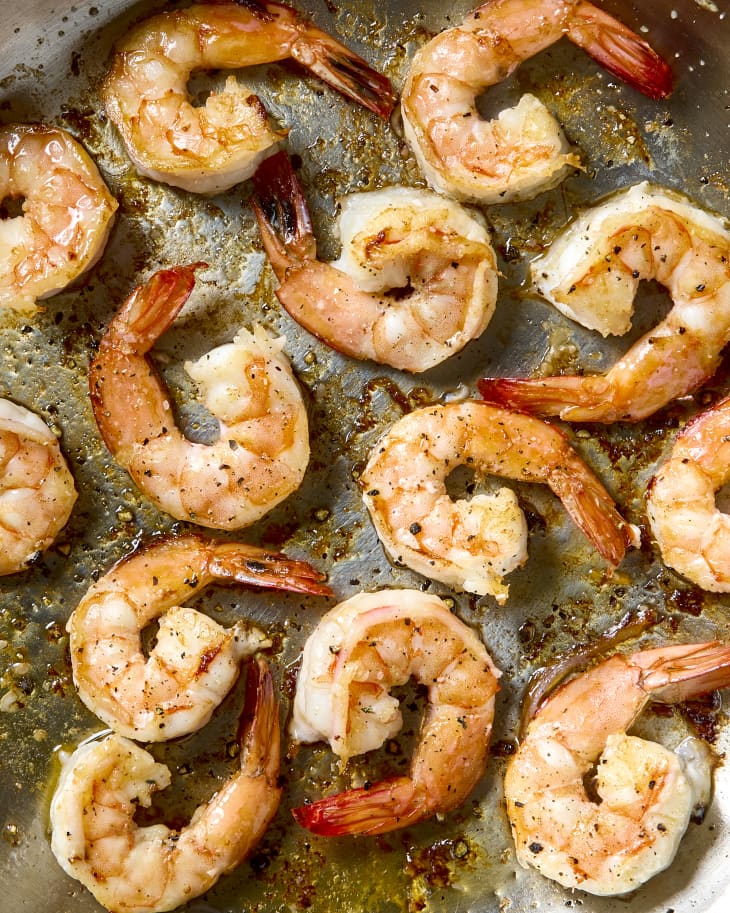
359	651
523	151
646	793
432	252
471	544
693	534
210	148
591	273
262	452
37	490
133	869
67	213
176	686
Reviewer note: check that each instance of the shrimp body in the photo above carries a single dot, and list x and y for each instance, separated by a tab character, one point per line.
248	385
591	273
416	279
174	689
359	651
647	792
692	533
67	212
523	151
471	544
210	148
133	869
37	490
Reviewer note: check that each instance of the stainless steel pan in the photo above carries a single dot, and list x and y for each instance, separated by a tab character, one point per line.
51	59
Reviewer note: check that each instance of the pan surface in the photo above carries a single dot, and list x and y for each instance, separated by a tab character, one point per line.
52	59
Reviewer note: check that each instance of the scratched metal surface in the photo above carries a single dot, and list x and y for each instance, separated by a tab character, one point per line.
53	56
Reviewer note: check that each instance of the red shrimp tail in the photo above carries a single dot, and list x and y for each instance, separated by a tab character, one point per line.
682	672
575	399
151	308
387	806
234	562
593	511
329	59
620	51
282	213
352	76
259	730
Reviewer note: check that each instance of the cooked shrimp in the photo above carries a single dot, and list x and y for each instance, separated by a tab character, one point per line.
472	544
523	151
67	212
591	274
210	148
133	869
248	385
359	651
174	689
692	533
37	491
646	792
416	280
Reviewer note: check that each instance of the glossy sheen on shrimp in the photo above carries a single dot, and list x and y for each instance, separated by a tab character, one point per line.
210	148
416	279
693	534
262	453
647	792
523	151
133	869
174	689
359	651
591	273
37	490
67	212
472	544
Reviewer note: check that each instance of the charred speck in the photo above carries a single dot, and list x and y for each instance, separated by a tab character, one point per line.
504	748
258	567
690	601
536	847
414	529
510	253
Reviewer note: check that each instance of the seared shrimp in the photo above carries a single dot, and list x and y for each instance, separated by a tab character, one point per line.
263	448
210	148
133	869
646	792
37	491
432	255
67	212
359	651
472	544
591	274
692	533
523	151
174	689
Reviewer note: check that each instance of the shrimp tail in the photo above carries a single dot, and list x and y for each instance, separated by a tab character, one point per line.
151	308
391	804
573	398
330	60
259	731
620	51
344	70
347	72
282	214
258	567
684	671
594	512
